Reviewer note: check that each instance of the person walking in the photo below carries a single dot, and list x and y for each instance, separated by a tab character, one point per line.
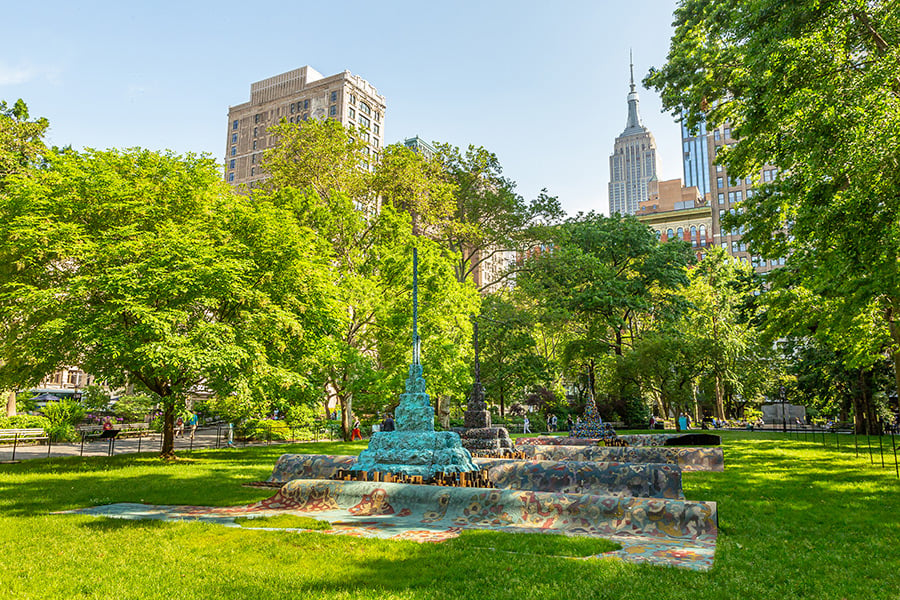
525	425
193	421
355	434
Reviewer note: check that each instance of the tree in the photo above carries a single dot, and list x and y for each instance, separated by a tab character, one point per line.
143	268
488	216
608	277
21	146
810	87
510	360
316	175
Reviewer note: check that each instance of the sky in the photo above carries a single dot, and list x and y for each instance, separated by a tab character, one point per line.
543	85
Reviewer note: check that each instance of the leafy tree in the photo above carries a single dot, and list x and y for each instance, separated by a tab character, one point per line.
134	407
94	397
608	277
143	268
21	147
510	360
489	216
810	87
316	175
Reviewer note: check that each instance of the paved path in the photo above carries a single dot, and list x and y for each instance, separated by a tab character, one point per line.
205	437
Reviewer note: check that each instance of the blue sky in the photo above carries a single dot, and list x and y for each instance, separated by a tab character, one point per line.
541	84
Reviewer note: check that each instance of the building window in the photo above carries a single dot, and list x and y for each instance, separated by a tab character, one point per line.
377	116
364	108
252	171
334	96
364	122
669	234
353	99
234	125
255	131
703	235
352	113
679	233
332	111
231	164
694	236
305	116
231	176
375	141
234	138
233	150
254	144
376	129
734	247
256	117
720	182
253	158
717	135
292	107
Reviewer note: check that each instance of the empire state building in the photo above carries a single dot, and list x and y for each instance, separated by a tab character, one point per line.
632	164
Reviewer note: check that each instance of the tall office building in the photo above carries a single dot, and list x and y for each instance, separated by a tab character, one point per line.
632	164
696	157
296	96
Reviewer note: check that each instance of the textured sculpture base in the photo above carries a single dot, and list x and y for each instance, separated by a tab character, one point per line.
415	449
415	454
488	441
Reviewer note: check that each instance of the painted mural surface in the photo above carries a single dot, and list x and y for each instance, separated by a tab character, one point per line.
659	531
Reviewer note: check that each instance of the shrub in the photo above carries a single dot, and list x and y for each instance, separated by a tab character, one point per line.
263	429
63	415
25	422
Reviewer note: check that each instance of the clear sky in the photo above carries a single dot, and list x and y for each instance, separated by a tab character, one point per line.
541	84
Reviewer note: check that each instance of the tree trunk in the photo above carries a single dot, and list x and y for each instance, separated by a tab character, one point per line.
168	447
720	399
346	422
895	348
11	404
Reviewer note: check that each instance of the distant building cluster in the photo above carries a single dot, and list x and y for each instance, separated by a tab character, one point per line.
691	211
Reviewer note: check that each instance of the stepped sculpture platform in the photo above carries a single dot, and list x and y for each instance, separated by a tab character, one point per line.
480	437
689	459
590	426
415	449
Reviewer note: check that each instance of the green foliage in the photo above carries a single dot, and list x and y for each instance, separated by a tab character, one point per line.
25	422
94	397
134	408
811	88
143	267
63	416
263	430
21	141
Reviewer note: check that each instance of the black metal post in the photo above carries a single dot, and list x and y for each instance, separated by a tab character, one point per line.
881	447
49	445
83	433
894	446
140	437
15	443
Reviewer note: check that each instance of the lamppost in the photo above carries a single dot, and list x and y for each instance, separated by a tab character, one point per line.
782	395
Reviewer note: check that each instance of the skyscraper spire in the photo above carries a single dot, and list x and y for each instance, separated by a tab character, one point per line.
634	124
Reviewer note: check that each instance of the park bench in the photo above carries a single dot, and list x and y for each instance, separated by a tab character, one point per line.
23	436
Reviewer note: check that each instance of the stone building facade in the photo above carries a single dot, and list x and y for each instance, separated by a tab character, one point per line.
294	97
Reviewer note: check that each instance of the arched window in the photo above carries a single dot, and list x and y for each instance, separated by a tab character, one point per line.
669	235
703	235
680	233
694	236
658	234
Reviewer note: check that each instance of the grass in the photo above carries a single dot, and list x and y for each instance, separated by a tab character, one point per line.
797	520
284	522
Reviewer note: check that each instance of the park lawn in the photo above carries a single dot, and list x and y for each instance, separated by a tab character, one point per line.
797	520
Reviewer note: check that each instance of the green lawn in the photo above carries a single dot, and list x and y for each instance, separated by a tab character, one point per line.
796	521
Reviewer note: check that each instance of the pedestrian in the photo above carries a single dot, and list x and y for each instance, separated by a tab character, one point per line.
179	426
193	421
230	435
525	425
388	424
553	422
355	434
569	424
